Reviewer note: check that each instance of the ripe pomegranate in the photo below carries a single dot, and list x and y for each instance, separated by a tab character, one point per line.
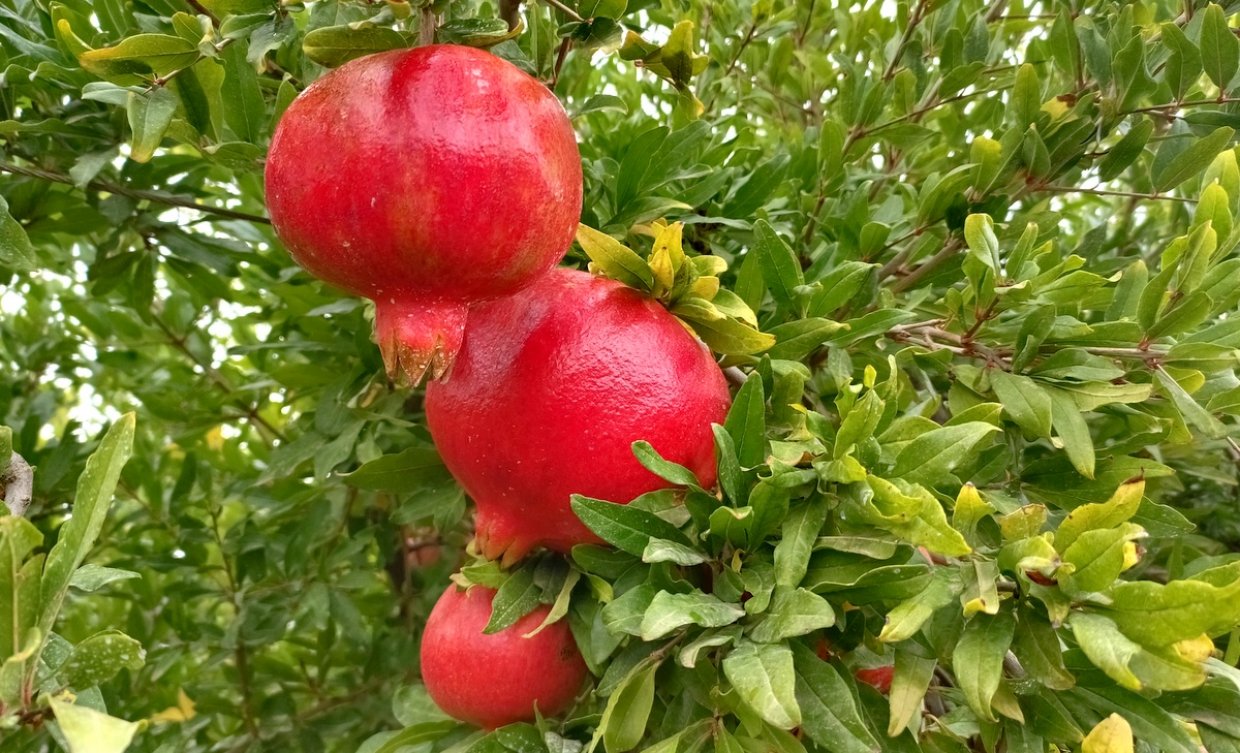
493	680
425	179
552	387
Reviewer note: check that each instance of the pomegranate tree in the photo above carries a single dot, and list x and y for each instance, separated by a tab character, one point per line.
497	679
425	180
551	388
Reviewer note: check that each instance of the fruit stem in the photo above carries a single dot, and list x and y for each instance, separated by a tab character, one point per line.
418	338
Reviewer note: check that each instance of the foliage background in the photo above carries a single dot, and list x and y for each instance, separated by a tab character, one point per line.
285	598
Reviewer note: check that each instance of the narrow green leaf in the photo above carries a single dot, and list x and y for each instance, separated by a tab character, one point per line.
94	493
150	114
1194	159
1220	50
780	267
615	259
978	659
624	527
669	611
829	714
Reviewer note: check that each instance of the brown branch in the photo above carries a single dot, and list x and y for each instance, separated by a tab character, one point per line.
158	197
510	11
950	248
1106	192
18	485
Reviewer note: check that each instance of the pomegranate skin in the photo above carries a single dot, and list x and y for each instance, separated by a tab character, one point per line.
493	680
552	387
425	179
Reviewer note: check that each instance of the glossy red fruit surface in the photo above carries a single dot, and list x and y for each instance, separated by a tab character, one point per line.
551	388
493	680
425	179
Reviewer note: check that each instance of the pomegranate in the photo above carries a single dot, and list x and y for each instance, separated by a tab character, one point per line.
498	679
425	179
551	388
879	677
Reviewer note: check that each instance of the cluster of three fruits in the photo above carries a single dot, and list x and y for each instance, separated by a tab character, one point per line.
445	184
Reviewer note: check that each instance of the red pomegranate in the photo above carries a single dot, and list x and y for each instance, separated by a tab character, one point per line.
498	679
425	179
551	388
878	677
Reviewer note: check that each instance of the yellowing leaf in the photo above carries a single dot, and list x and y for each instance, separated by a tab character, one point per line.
182	712
1111	735
90	731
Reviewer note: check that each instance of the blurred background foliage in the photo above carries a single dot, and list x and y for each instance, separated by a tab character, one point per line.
281	598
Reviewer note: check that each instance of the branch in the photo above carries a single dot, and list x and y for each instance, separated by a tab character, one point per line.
119	189
18	483
913	21
561	7
1106	192
510	11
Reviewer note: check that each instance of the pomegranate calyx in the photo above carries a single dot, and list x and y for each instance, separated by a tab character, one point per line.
419	339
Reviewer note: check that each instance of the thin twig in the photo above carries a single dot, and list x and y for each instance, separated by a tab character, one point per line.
561	7
158	197
1108	192
905	38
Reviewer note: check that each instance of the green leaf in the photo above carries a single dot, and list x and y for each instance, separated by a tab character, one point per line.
1157	614
669	611
1220	50
1072	431
99	658
979	234
799	533
909	682
1036	645
779	264
94	577
1024	400
141	54
623	724
1098	557
150	114
335	45
930	457
763	676
650	458
659	550
1194	159
1126	151
978	659
908	617
912	513
796	339
89	731
1189	408
615	260
245	111
95	488
624	527
829	714
793	612
16	251
722	333
1119	509
518	596
406	471
746	423
859	423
